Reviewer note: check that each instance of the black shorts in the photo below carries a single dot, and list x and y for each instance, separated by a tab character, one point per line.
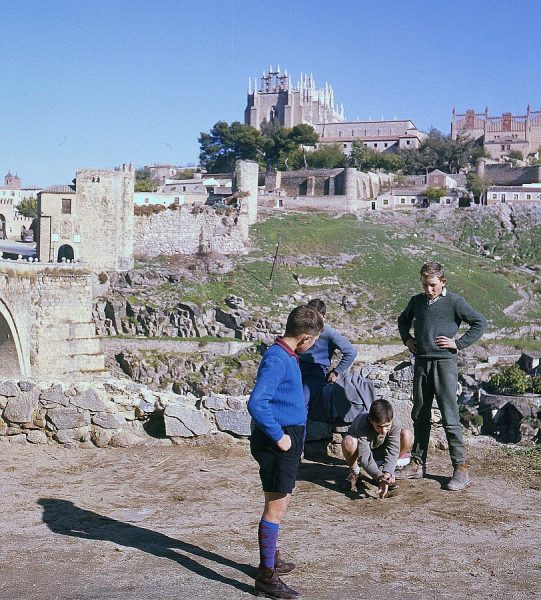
277	469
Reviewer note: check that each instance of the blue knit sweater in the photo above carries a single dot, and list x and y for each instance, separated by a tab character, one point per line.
317	359
277	399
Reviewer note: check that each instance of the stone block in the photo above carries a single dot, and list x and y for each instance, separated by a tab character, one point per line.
20	438
20	408
100	437
53	396
236	422
9	388
108	420
214	402
36	437
126	439
189	417
88	400
26	386
67	418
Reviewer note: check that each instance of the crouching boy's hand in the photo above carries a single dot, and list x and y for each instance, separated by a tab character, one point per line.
284	443
385	480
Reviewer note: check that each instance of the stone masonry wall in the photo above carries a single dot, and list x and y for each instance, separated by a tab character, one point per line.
189	230
47	316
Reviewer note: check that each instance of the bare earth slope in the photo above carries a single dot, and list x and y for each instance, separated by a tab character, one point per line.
180	522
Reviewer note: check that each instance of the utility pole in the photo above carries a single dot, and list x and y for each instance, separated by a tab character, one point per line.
271	278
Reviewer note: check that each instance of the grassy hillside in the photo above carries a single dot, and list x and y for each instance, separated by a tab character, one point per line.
377	263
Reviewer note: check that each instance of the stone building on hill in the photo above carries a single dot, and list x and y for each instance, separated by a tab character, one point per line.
278	101
500	134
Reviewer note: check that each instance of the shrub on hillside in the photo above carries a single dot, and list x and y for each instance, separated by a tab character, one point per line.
510	380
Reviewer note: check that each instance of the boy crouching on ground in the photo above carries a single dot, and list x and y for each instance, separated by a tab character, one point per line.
279	414
376	444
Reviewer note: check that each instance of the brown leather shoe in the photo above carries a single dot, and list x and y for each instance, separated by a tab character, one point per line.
460	479
269	585
281	566
350	482
413	470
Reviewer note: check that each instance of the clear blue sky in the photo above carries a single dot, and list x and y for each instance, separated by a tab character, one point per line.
102	82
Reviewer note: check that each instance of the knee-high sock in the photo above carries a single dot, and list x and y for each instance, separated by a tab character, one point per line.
268	541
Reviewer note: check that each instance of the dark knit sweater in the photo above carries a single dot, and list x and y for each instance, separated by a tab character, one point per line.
277	399
442	317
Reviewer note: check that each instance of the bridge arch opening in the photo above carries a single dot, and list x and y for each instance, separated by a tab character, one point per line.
11	364
65	251
3	233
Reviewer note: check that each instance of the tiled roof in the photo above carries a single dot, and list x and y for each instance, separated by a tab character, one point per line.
59	189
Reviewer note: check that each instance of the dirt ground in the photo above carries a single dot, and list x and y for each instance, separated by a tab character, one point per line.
180	522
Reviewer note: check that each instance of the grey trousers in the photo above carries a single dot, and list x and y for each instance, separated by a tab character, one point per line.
436	378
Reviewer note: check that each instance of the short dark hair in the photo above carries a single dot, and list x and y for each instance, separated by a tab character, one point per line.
381	412
433	269
318	305
304	320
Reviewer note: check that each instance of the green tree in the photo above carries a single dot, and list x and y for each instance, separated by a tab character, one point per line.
477	185
433	193
510	380
28	208
515	155
284	145
439	151
225	144
143	181
326	157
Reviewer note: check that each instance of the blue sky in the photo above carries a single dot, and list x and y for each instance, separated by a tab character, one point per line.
103	82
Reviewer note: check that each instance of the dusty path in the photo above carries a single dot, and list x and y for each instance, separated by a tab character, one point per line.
179	522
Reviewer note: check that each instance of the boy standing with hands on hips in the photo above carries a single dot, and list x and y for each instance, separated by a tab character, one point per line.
436	315
279	414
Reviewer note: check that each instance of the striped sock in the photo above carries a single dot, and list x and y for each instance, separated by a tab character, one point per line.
268	540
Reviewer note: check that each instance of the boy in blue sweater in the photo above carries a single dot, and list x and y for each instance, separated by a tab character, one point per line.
436	315
278	411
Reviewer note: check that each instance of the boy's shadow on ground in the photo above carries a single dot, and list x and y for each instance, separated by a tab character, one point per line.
65	518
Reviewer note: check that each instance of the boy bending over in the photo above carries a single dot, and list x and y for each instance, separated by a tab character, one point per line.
279	414
376	444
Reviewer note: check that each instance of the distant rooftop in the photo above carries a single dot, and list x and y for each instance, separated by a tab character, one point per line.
59	189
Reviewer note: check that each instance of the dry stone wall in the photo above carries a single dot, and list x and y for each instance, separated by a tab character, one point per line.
189	230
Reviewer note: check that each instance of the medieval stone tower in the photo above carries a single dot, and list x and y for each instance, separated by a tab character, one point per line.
105	204
92	223
276	101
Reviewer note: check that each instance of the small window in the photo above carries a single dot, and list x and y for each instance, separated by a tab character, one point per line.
402	201
437	200
412	200
448	201
66	206
515	196
375	145
503	146
183	188
407	142
528	196
345	145
385	201
176	200
494	196
385	145
504	197
339	134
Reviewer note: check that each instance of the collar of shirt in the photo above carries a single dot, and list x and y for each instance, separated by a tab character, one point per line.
280	341
443	293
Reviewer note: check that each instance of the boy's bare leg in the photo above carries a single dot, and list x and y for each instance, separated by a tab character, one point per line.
350	445
349	449
276	505
406	441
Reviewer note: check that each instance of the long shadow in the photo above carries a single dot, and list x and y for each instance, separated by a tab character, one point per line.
328	475
443	481
65	518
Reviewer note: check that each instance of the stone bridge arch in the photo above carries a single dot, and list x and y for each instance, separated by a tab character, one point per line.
15	358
